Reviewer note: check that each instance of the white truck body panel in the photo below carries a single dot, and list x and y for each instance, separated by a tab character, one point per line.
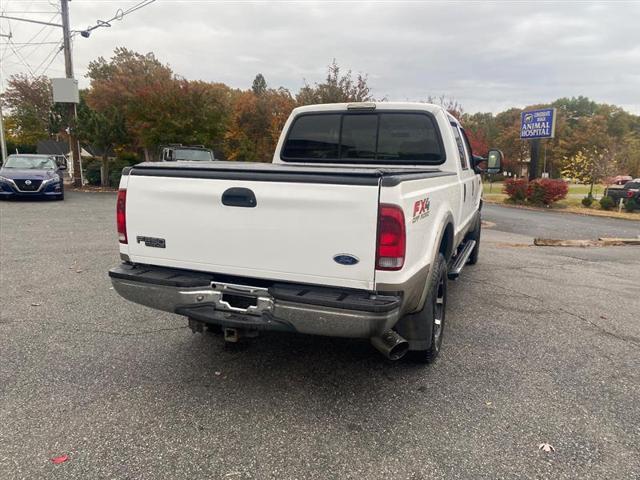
291	235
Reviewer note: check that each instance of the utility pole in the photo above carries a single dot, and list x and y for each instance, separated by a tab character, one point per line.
535	158
3	143
73	113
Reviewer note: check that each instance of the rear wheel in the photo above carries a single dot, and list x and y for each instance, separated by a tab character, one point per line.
433	313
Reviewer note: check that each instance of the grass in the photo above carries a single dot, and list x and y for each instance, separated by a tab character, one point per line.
569	204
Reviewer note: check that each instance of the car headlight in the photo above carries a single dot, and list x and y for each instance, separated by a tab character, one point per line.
55	178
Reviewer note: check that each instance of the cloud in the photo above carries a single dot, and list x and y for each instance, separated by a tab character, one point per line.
489	56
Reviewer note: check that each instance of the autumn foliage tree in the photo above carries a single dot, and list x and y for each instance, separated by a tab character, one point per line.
32	114
337	88
256	119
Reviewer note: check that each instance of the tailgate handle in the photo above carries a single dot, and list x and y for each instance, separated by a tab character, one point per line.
239	197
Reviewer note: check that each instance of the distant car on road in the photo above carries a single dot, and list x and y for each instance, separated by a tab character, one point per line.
24	175
630	190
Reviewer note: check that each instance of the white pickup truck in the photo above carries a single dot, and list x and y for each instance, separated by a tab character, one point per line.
352	231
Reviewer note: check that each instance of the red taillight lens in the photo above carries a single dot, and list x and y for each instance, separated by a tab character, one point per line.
121	215
391	238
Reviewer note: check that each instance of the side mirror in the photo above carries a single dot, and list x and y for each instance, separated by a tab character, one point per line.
494	161
62	167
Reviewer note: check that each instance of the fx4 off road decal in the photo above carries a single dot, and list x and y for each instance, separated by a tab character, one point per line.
421	209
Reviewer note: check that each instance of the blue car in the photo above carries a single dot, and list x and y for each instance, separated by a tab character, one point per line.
31	176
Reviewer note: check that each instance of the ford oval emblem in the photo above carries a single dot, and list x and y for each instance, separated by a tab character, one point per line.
346	259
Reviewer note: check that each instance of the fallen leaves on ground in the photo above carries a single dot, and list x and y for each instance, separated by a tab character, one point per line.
60	459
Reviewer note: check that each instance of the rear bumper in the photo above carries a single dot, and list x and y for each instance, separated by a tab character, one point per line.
282	307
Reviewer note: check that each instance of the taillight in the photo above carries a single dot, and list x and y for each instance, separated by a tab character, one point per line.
391	238
631	193
121	215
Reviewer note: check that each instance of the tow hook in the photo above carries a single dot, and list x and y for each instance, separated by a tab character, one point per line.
231	335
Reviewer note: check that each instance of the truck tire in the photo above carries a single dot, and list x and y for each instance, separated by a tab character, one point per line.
475	235
433	312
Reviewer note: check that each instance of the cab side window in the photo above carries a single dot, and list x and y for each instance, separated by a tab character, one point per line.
462	149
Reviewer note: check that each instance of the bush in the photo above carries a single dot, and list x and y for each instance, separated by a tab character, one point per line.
631	205
607	203
587	201
125	159
545	191
91	170
92	167
516	189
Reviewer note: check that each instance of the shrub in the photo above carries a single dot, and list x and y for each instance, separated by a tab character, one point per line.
545	191
91	169
631	205
125	159
516	189
587	201
607	203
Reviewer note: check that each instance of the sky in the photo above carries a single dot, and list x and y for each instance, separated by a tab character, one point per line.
487	56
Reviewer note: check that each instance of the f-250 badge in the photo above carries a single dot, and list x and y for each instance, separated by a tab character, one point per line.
421	209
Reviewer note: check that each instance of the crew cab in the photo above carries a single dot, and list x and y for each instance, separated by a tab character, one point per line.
352	231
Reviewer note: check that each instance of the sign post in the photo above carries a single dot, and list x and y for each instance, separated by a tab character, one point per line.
534	125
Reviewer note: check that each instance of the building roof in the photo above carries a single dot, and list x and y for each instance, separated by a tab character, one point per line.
52	147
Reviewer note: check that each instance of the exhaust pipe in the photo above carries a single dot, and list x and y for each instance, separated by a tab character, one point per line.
391	345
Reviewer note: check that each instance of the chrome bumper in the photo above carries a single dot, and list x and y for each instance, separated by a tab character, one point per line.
207	304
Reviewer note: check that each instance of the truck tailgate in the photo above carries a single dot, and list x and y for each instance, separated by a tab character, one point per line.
293	232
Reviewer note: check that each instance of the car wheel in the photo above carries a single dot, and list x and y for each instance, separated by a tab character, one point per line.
433	313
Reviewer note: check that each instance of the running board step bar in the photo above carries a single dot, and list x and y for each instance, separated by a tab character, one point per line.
461	259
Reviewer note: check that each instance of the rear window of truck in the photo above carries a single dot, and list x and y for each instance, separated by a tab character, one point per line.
387	137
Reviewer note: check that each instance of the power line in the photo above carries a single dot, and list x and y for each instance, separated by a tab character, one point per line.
21	58
57	52
53	53
120	14
32	43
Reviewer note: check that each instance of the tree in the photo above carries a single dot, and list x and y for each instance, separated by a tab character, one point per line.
450	104
156	106
589	166
32	113
259	86
125	82
478	141
628	157
255	124
336	88
104	130
181	111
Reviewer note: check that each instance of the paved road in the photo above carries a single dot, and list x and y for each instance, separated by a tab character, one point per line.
541	345
534	223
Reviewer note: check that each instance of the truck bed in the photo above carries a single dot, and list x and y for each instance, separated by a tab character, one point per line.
251	171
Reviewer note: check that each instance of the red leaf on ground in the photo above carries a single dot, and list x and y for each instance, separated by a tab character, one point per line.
60	459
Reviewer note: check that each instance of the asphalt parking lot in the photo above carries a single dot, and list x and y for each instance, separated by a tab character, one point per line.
541	345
